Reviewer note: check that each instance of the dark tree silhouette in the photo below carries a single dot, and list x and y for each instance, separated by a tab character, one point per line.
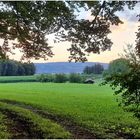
13	68
28	22
95	69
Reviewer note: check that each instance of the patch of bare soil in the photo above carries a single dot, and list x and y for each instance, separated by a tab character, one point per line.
78	132
19	127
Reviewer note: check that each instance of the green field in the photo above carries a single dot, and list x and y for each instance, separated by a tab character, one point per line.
33	78
68	109
15	79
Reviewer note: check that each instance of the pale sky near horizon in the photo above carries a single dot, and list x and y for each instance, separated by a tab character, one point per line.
120	36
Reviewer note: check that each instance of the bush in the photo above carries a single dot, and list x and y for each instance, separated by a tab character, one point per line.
45	78
60	78
75	78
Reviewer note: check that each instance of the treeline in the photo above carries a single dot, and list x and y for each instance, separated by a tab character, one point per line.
95	69
61	78
15	68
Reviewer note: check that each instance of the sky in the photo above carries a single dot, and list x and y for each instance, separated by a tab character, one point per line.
121	36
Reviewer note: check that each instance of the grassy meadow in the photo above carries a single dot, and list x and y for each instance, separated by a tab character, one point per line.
82	106
15	79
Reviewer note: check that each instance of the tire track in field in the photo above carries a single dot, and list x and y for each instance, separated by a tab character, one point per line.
19	127
77	131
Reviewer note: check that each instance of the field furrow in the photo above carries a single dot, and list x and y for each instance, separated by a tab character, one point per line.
18	126
23	123
76	130
4	133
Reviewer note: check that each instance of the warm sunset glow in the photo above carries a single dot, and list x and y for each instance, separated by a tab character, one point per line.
120	36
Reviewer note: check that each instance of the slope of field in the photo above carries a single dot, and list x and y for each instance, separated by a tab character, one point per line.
64	67
76	107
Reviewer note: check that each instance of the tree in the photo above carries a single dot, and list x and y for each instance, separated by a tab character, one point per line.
87	70
120	65
29	68
138	40
127	83
96	69
13	68
8	68
60	78
75	78
28	22
21	70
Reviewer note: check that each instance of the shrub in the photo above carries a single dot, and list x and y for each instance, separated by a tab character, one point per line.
75	78
45	78
60	78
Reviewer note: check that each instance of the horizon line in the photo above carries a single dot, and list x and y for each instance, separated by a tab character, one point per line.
71	62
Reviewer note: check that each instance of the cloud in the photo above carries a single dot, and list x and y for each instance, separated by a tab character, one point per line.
133	17
130	15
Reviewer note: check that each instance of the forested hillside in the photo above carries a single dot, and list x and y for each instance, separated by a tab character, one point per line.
64	67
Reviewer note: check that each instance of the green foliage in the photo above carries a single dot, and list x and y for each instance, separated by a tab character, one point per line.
120	65
90	106
72	78
29	68
75	78
4	134
45	78
127	82
60	78
138	40
13	68
21	69
96	69
29	22
8	67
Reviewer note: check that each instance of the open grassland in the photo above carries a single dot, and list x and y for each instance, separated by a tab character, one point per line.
15	79
70	110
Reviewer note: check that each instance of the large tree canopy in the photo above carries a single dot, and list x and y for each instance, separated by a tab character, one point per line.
124	76
29	22
120	65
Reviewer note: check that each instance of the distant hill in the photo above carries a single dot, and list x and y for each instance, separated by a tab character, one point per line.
64	67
